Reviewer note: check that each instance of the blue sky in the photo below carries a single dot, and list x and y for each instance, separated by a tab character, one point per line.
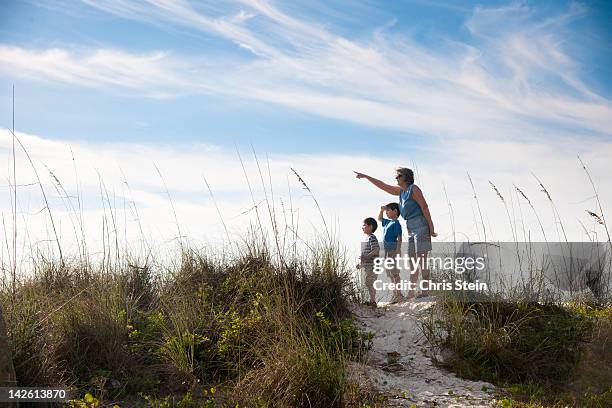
54	107
499	89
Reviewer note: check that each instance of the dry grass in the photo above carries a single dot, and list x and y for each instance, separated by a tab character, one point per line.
544	354
267	326
278	335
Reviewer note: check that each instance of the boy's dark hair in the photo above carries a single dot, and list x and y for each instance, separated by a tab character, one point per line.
394	207
371	221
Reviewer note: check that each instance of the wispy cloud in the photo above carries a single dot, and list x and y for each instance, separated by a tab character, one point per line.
514	77
153	75
182	13
132	189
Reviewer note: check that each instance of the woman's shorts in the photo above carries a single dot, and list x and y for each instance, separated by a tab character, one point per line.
419	238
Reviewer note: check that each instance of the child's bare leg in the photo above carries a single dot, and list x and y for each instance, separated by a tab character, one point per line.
372	294
370	278
414	279
397	280
394	276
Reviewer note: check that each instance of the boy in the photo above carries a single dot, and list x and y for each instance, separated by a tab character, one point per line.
392	238
369	251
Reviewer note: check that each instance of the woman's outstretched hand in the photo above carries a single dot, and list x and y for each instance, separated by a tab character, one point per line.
394	190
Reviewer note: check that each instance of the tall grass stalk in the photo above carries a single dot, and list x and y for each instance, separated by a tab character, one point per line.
134	209
597	199
59	188
221	218
14	201
451	214
271	212
255	205
501	198
44	195
484	229
176	221
85	254
305	186
603	222
555	211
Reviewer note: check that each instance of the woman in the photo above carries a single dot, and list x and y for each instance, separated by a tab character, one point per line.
415	211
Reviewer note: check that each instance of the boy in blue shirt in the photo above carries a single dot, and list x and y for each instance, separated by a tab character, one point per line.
392	238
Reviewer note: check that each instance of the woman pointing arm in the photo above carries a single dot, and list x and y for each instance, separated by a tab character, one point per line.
393	190
405	180
414	209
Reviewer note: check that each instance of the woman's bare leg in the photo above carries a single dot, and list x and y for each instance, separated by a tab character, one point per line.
414	277
424	271
419	264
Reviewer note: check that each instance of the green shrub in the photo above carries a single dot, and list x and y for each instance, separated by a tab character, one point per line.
265	326
536	350
513	342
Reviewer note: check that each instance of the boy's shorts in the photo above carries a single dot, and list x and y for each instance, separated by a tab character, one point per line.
370	276
393	272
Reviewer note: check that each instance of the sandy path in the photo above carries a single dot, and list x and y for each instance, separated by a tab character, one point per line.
415	380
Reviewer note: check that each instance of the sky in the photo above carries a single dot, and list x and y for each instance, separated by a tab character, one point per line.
127	108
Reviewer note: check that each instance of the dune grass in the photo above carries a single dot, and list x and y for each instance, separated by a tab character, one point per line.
258	333
266	327
544	355
548	353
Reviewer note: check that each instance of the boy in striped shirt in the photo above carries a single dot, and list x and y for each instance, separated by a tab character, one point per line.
369	251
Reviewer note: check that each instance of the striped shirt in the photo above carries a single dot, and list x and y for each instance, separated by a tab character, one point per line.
369	249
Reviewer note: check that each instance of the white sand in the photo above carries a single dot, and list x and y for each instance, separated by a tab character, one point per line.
415	380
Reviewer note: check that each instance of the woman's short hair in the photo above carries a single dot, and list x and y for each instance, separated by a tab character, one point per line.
406	173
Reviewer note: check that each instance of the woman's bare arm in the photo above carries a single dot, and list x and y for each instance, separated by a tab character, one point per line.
393	190
417	194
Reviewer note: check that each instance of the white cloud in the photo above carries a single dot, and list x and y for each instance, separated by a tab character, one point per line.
344	200
153	75
512	103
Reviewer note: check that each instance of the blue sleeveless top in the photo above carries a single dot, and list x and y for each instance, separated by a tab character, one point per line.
409	208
